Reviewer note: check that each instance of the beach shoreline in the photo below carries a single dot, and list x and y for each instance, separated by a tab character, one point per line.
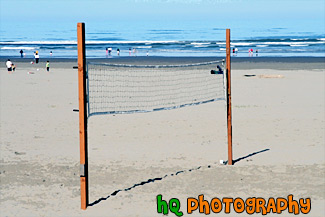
277	63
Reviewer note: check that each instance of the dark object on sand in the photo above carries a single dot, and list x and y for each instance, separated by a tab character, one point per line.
219	71
249	75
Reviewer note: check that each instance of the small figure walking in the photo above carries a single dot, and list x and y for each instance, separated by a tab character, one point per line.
36	57
118	51
109	50
51	53
130	52
21	53
9	66
47	66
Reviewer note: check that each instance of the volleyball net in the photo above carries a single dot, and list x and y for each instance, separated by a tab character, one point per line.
122	88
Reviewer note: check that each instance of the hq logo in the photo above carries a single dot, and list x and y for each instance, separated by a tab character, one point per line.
163	207
251	205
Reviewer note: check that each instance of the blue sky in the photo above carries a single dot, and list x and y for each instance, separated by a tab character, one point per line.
157	10
54	19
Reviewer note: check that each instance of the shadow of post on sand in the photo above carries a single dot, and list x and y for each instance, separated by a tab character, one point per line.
250	155
165	176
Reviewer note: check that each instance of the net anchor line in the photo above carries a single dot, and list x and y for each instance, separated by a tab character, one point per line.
160	66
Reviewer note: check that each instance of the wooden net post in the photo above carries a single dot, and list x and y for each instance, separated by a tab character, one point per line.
82	116
229	118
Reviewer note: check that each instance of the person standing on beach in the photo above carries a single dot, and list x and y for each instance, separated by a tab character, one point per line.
47	66
9	65
21	53
51	53
36	57
250	51
118	51
109	51
130	52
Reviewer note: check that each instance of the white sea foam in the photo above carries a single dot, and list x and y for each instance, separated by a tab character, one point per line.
200	44
234	44
38	42
87	42
298	45
19	48
144	47
131	42
293	43
298	39
242	44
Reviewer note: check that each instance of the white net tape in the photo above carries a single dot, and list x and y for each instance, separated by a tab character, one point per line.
119	88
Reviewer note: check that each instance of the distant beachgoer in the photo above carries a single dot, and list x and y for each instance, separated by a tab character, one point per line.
51	53
134	52
250	51
236	50
21	53
233	50
13	67
36	55
130	52
9	65
256	52
47	66
109	50
118	51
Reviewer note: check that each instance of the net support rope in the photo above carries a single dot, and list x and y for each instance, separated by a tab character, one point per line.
124	88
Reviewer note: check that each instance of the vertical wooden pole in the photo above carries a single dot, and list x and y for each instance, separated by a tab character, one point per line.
82	116
229	118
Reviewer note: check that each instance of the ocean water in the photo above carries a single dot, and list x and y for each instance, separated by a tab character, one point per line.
162	39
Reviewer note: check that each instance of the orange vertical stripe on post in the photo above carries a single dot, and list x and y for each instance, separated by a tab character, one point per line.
82	115
229	118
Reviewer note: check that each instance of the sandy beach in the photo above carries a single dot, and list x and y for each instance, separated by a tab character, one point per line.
278	142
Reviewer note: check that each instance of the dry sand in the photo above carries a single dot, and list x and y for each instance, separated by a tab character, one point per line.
278	142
